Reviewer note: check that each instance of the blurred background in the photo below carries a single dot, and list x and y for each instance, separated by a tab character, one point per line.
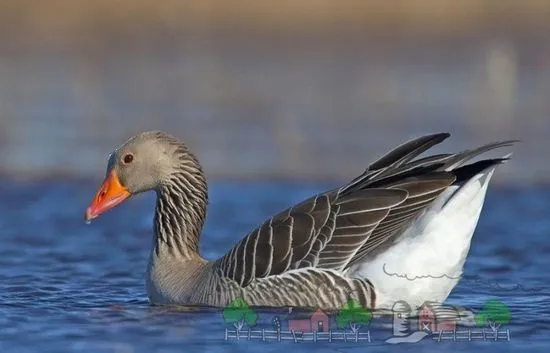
279	100
288	89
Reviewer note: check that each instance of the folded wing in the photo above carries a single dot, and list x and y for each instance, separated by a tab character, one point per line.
335	229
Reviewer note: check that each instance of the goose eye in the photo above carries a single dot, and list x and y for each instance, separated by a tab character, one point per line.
128	158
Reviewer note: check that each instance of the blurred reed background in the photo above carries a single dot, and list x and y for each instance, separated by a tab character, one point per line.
288	89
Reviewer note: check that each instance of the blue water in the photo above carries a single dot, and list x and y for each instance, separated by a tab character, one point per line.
68	286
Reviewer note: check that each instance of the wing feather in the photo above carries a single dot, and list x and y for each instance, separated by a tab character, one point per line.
338	228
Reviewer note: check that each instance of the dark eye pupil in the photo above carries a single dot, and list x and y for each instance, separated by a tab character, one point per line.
128	158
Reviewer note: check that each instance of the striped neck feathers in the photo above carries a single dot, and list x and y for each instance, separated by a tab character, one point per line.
181	211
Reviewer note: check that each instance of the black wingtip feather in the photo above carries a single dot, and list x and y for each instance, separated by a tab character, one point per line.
466	172
410	148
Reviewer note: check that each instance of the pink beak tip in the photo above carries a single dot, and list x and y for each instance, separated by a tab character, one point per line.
88	216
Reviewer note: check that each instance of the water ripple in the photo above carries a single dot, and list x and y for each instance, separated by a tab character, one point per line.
74	287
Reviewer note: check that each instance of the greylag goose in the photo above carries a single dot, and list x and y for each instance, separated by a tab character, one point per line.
399	231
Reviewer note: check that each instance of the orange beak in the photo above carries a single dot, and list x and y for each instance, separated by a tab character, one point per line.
110	194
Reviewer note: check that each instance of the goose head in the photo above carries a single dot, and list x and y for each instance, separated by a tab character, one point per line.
147	161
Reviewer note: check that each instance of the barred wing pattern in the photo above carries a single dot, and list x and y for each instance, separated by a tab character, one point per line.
325	229
335	229
424	179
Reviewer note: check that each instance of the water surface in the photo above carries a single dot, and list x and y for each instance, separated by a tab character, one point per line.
67	286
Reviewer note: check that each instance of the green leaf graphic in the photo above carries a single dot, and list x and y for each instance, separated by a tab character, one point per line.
250	317
238	311
481	319
354	314
494	313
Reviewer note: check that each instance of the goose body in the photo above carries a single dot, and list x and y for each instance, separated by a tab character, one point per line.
399	231
427	262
